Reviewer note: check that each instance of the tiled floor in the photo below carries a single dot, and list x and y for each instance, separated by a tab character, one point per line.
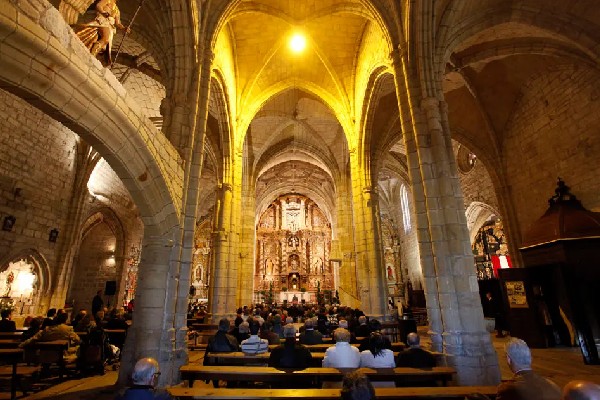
560	364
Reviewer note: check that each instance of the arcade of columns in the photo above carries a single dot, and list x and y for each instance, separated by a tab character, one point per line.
43	63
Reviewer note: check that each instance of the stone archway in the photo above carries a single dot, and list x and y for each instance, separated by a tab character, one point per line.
34	294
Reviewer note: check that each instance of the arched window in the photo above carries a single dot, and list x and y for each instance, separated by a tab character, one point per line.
405	208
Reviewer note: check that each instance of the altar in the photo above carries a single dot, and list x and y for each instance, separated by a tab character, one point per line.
289	296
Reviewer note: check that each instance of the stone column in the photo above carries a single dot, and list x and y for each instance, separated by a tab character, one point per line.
451	290
368	247
151	333
222	291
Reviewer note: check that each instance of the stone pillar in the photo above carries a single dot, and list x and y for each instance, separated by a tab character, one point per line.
368	247
451	290
222	291
151	333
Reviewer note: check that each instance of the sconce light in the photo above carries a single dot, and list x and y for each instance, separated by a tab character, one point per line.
9	222
53	235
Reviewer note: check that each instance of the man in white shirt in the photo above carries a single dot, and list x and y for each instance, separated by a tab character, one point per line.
254	344
342	355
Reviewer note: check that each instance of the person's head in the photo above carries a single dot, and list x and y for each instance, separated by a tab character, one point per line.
362	320
254	327
581	390
356	386
488	295
61	319
99	292
244	327
343	323
377	344
99	315
413	339
277	319
224	325
85	320
145	372
6	313
374	325
341	335
289	331
51	313
60	311
289	320
518	355
309	324
36	323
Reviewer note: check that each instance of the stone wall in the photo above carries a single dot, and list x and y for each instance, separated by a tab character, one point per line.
96	265
554	132
36	172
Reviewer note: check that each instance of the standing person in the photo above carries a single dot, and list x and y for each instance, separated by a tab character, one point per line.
525	384
493	310
97	303
7	325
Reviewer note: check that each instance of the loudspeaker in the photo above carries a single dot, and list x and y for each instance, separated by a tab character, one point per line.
110	288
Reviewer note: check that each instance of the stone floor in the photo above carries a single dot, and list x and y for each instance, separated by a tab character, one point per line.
559	364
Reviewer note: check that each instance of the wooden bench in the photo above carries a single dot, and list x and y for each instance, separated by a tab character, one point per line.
316	375
443	393
239	358
12	357
52	352
9	344
11	335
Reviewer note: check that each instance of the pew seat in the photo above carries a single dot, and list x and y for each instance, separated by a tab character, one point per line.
316	376
443	393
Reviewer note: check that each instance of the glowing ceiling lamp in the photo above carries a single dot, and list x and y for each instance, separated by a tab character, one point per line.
297	43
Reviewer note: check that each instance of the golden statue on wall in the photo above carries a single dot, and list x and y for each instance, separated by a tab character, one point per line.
98	34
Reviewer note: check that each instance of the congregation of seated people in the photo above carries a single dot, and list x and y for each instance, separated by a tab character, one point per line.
82	332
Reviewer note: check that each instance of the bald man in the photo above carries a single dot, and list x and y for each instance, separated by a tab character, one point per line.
581	390
145	376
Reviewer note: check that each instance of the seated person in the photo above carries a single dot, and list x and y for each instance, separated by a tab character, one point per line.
581	390
77	317
267	333
362	330
290	354
34	327
342	355
378	356
144	377
374	326
222	342
356	386
415	356
254	344
49	321
59	331
525	383
310	336
243	332
7	325
117	320
85	324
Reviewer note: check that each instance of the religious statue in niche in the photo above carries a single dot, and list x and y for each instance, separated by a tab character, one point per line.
390	273
270	266
294	263
318	266
293	242
98	35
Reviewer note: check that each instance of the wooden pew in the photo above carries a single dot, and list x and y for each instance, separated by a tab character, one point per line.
11	335
320	348
9	344
239	358
317	375
15	371
53	353
443	393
